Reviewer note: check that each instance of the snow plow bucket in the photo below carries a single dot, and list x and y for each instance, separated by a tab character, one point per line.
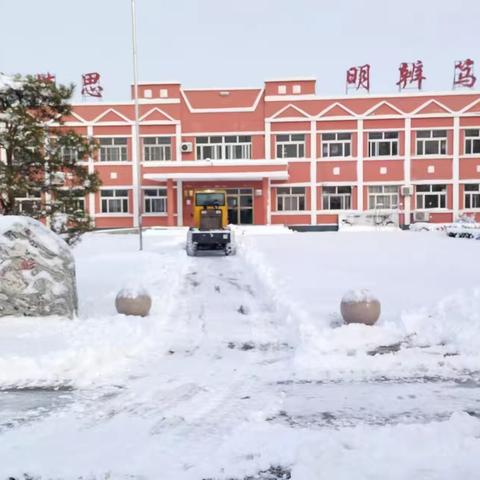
213	240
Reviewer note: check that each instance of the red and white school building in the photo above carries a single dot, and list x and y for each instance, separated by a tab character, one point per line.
284	154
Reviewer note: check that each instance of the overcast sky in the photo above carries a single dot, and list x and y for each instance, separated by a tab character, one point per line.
227	43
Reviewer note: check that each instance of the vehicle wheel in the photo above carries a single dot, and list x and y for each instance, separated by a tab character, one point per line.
191	249
229	249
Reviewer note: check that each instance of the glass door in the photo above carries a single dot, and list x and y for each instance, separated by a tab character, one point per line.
240	206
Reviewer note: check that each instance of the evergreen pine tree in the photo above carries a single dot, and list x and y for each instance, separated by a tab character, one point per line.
42	159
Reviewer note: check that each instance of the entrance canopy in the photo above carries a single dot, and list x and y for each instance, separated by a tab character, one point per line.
272	174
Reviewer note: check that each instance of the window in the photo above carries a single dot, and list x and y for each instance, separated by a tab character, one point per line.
114	201
71	201
382	144
297	89
336	144
28	203
382	196
163	93
231	147
157	149
113	149
155	200
472	195
431	142
431	196
205	199
291	146
282	89
69	155
147	93
290	199
336	198
472	141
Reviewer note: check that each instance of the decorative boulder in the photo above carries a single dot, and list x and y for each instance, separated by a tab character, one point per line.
360	306
133	301
37	270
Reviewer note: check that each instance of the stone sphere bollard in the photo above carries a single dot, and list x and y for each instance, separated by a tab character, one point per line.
133	302
360	306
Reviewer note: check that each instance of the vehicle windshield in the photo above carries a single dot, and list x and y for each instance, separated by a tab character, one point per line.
210	199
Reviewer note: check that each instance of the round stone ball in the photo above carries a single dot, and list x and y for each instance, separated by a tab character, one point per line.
360	306
133	302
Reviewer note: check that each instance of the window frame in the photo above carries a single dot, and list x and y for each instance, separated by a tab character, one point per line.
328	143
78	199
107	149
69	154
284	142
161	144
332	192
29	203
375	144
123	199
224	147
471	196
149	201
291	199
472	142
423	141
433	192
393	196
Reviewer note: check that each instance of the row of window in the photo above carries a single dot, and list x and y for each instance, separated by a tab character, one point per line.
288	198
379	197
239	147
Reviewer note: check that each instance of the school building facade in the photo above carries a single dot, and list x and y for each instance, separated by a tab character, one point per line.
283	154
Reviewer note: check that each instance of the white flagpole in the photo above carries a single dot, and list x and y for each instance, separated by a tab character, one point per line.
137	127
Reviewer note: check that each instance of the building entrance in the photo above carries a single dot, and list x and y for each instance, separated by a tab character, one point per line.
240	206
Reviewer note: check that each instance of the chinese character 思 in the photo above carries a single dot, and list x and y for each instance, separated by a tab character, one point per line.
411	73
91	85
359	77
464	74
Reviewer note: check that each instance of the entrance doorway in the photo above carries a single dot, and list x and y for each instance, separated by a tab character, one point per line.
240	206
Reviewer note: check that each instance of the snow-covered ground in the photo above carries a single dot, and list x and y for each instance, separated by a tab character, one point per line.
243	369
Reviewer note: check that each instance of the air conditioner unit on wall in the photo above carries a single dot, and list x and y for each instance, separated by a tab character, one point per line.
187	147
406	190
421	216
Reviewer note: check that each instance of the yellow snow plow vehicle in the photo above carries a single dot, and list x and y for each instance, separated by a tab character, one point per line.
210	220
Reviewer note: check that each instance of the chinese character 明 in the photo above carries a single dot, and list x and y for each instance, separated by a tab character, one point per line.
464	73
359	77
91	85
46	77
411	73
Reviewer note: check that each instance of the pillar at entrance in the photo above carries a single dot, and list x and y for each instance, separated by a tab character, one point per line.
170	203
266	200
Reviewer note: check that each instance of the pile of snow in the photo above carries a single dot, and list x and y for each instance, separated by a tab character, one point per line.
430	321
359	295
133	291
428	227
100	345
367	221
464	227
242	230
